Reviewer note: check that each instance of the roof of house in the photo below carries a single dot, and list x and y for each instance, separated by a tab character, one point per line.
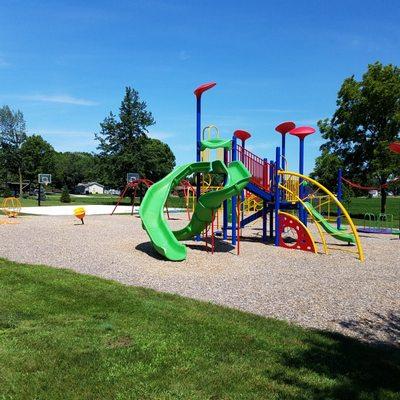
90	184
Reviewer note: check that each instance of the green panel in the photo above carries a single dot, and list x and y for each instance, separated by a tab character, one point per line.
216	143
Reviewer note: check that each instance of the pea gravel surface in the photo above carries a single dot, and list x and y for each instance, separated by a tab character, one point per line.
333	292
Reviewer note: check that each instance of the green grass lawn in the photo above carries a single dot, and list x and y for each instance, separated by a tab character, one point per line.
70	336
359	206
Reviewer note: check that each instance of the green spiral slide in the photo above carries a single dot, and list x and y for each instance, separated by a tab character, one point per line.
151	211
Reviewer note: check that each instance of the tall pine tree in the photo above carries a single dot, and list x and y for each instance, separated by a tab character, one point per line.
123	142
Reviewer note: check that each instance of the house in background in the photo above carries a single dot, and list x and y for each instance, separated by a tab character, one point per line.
373	193
89	188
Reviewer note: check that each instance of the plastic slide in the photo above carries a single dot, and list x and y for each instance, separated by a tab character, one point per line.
164	240
336	233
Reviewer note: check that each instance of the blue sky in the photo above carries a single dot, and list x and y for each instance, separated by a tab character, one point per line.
65	64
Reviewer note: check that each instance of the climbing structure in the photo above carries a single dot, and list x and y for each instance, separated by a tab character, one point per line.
252	188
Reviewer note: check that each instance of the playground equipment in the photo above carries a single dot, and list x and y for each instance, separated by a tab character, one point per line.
253	188
11	207
379	223
80	213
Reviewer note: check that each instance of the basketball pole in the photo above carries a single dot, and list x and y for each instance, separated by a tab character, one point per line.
40	189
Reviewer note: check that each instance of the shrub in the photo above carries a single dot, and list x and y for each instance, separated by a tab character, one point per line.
65	197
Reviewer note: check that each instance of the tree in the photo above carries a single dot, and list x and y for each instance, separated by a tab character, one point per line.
12	136
38	156
73	168
65	197
366	120
124	145
326	169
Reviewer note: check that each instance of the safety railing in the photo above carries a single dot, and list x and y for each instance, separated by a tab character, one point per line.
260	169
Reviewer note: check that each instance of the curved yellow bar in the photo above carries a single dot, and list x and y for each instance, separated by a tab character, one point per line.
338	203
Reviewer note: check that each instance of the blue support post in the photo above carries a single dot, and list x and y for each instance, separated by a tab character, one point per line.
302	211
264	221
277	195
225	205
234	200
271	223
198	149
339	196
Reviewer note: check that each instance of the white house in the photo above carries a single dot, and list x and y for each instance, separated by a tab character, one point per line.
373	193
89	188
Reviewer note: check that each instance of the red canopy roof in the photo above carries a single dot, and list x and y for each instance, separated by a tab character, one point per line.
285	127
395	147
202	88
242	135
302	131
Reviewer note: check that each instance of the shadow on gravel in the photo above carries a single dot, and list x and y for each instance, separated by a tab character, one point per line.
220	246
148	248
379	329
355	369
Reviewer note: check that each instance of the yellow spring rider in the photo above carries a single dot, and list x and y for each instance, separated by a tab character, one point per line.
80	213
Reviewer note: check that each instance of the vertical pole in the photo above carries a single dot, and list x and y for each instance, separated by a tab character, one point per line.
302	212
339	196
242	194
277	195
198	149
212	233
271	223
39	194
283	148
234	158
264	221
225	206
238	227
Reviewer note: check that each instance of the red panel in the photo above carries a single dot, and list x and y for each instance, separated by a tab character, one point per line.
285	127
202	88
395	147
302	131
242	135
302	242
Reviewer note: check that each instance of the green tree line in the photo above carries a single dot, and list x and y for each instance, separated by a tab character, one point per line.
123	146
357	137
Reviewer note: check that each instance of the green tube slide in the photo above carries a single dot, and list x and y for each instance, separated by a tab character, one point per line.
151	211
336	233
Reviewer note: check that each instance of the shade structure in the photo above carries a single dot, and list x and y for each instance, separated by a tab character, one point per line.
285	127
202	88
302	131
242	135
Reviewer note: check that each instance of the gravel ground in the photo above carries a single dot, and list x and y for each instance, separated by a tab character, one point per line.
334	292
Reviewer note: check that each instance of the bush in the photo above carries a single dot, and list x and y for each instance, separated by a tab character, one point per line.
7	192
65	197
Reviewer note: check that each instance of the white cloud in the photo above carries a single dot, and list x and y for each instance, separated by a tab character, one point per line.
62	99
160	135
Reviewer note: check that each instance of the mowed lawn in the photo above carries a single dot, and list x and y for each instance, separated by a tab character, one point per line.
70	336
